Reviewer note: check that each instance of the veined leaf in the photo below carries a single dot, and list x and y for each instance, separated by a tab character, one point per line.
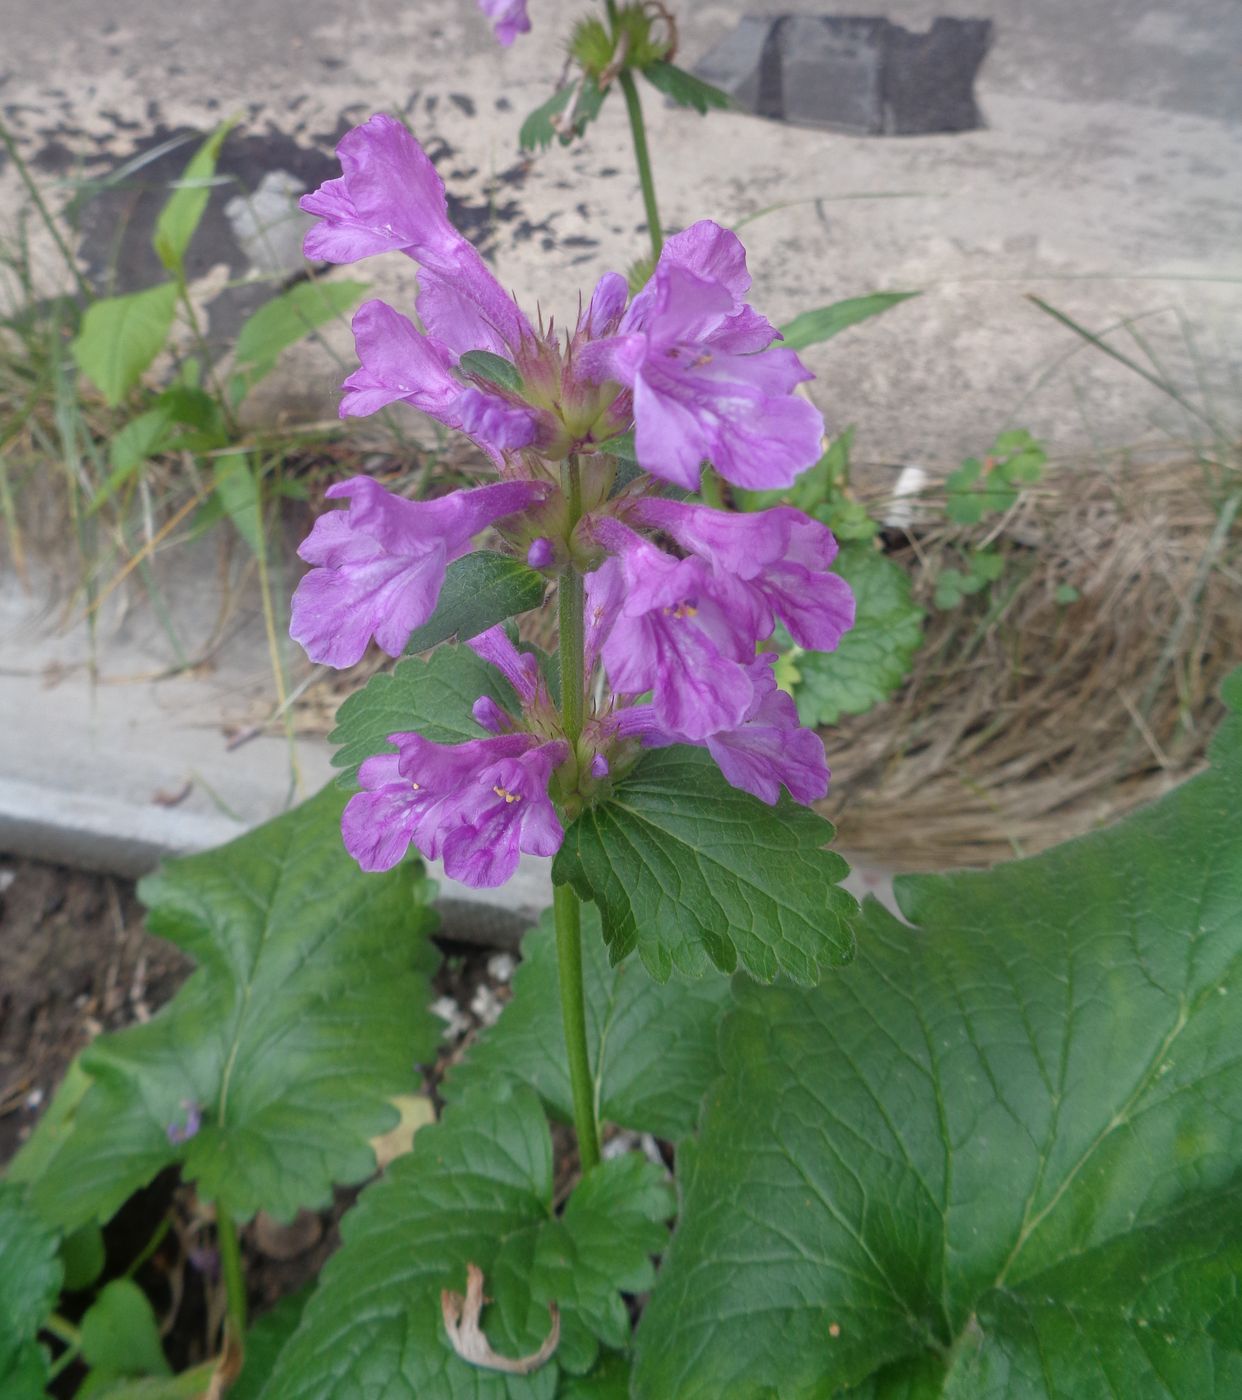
652	1046
874	656
538	131
30	1279
480	590
282	322
296	949
432	697
184	208
814	327
691	872
477	1190
237	489
120	336
495	369
1000	1157
684	88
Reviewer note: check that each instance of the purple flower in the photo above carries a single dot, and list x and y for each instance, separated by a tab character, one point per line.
781	555
541	554
401	365
182	1132
769	748
476	805
380	563
673	627
390	198
508	18
703	387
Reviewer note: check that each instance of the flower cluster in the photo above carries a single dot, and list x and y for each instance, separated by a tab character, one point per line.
679	597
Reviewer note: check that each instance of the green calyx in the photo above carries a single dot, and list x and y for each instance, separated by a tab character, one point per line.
633	43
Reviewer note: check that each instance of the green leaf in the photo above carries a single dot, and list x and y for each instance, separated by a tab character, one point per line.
813	327
139	440
537	130
492	368
609	1379
237	489
692	872
296	948
83	1255
120	336
282	322
182	211
685	89
480	590
30	1278
1004	1146
652	1046
120	1336
432	696
476	1189
874	657
188	1385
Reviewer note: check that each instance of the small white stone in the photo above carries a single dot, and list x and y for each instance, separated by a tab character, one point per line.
455	1020
500	967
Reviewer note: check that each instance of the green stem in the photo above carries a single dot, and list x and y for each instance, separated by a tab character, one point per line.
642	158
568	913
565	904
231	1270
571	599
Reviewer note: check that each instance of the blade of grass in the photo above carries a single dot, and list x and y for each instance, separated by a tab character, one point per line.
1131	364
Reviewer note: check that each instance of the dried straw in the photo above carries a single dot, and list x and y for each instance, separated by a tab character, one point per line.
1026	722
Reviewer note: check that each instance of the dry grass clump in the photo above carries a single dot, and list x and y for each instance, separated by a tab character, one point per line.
1027	721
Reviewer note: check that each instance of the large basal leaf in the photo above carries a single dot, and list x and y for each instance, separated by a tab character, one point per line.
305	1016
476	1189
432	697
814	327
282	322
1000	1157
120	336
30	1278
480	590
652	1045
693	873
874	656
184	208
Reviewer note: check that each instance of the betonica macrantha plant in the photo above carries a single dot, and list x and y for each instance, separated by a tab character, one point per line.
598	437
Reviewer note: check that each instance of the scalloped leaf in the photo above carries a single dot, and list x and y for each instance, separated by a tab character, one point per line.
875	655
296	949
694	873
30	1280
480	590
652	1046
431	696
477	1189
999	1158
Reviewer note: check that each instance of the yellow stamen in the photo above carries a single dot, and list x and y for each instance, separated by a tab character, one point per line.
682	610
415	786
507	795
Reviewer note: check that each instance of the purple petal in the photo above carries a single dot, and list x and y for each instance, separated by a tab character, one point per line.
381	563
508	17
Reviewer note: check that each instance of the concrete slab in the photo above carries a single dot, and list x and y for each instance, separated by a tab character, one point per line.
1106	181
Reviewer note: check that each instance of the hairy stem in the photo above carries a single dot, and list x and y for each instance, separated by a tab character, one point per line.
565	904
231	1270
573	682
642	158
568	914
